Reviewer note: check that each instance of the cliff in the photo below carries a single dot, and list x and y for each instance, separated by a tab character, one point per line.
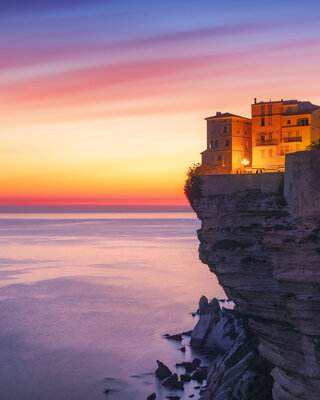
260	235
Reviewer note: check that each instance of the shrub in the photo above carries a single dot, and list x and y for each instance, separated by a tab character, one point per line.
192	186
315	145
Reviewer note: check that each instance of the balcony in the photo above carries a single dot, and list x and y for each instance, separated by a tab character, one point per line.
292	139
266	142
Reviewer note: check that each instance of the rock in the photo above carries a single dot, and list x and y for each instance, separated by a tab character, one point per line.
162	371
191	395
152	396
189	367
178	385
193	365
196	361
173	397
183	349
199	375
185	377
180	364
170	382
177	337
203	304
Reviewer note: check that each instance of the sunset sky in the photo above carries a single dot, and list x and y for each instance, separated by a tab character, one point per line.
103	102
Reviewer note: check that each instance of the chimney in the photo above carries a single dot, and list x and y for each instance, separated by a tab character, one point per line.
218	114
255	100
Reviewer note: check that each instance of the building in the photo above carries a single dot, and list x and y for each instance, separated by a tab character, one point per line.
229	143
279	128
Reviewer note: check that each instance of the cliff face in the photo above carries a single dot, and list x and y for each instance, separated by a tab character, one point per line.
260	235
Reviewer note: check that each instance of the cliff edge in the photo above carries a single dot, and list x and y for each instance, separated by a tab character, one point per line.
260	235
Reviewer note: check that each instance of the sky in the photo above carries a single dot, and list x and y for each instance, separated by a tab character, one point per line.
102	102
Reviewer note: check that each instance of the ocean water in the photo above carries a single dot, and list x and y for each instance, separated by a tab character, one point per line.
86	298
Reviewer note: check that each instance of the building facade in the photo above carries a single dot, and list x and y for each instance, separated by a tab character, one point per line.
229	143
279	128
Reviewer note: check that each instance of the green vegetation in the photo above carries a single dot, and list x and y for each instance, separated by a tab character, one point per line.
192	186
315	145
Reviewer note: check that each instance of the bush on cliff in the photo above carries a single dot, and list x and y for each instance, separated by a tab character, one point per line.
192	186
315	145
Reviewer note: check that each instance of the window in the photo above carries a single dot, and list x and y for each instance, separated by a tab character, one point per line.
303	121
211	144
262	110
216	144
262	121
219	157
270	153
245	132
297	133
263	153
225	129
227	143
262	138
289	133
270	137
270	109
270	121
246	146
288	121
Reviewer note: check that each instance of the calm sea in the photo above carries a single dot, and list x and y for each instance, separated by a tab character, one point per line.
86	298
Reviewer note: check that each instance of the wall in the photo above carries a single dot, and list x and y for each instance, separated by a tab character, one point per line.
302	183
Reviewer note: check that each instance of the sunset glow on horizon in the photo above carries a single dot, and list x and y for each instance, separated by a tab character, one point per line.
103	102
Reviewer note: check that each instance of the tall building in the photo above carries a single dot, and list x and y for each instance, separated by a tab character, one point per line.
279	128
229	143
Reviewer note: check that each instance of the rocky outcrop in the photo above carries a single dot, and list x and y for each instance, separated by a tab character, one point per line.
264	248
238	371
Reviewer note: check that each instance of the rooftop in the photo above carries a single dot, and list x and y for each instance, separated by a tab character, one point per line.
225	115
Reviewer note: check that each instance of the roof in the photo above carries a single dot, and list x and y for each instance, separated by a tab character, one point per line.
285	102
304	107
225	115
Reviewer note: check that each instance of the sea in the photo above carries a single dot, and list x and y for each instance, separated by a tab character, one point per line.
85	299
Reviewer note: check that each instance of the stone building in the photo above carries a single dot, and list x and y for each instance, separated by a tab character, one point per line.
229	142
279	128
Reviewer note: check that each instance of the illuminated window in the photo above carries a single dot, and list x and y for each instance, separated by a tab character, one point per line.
263	153
270	153
262	121
211	144
216	144
227	143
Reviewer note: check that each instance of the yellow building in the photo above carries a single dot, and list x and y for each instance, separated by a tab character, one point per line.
279	128
229	143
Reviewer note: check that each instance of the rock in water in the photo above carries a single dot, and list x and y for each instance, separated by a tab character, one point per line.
162	371
185	377
152	396
203	304
170	382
